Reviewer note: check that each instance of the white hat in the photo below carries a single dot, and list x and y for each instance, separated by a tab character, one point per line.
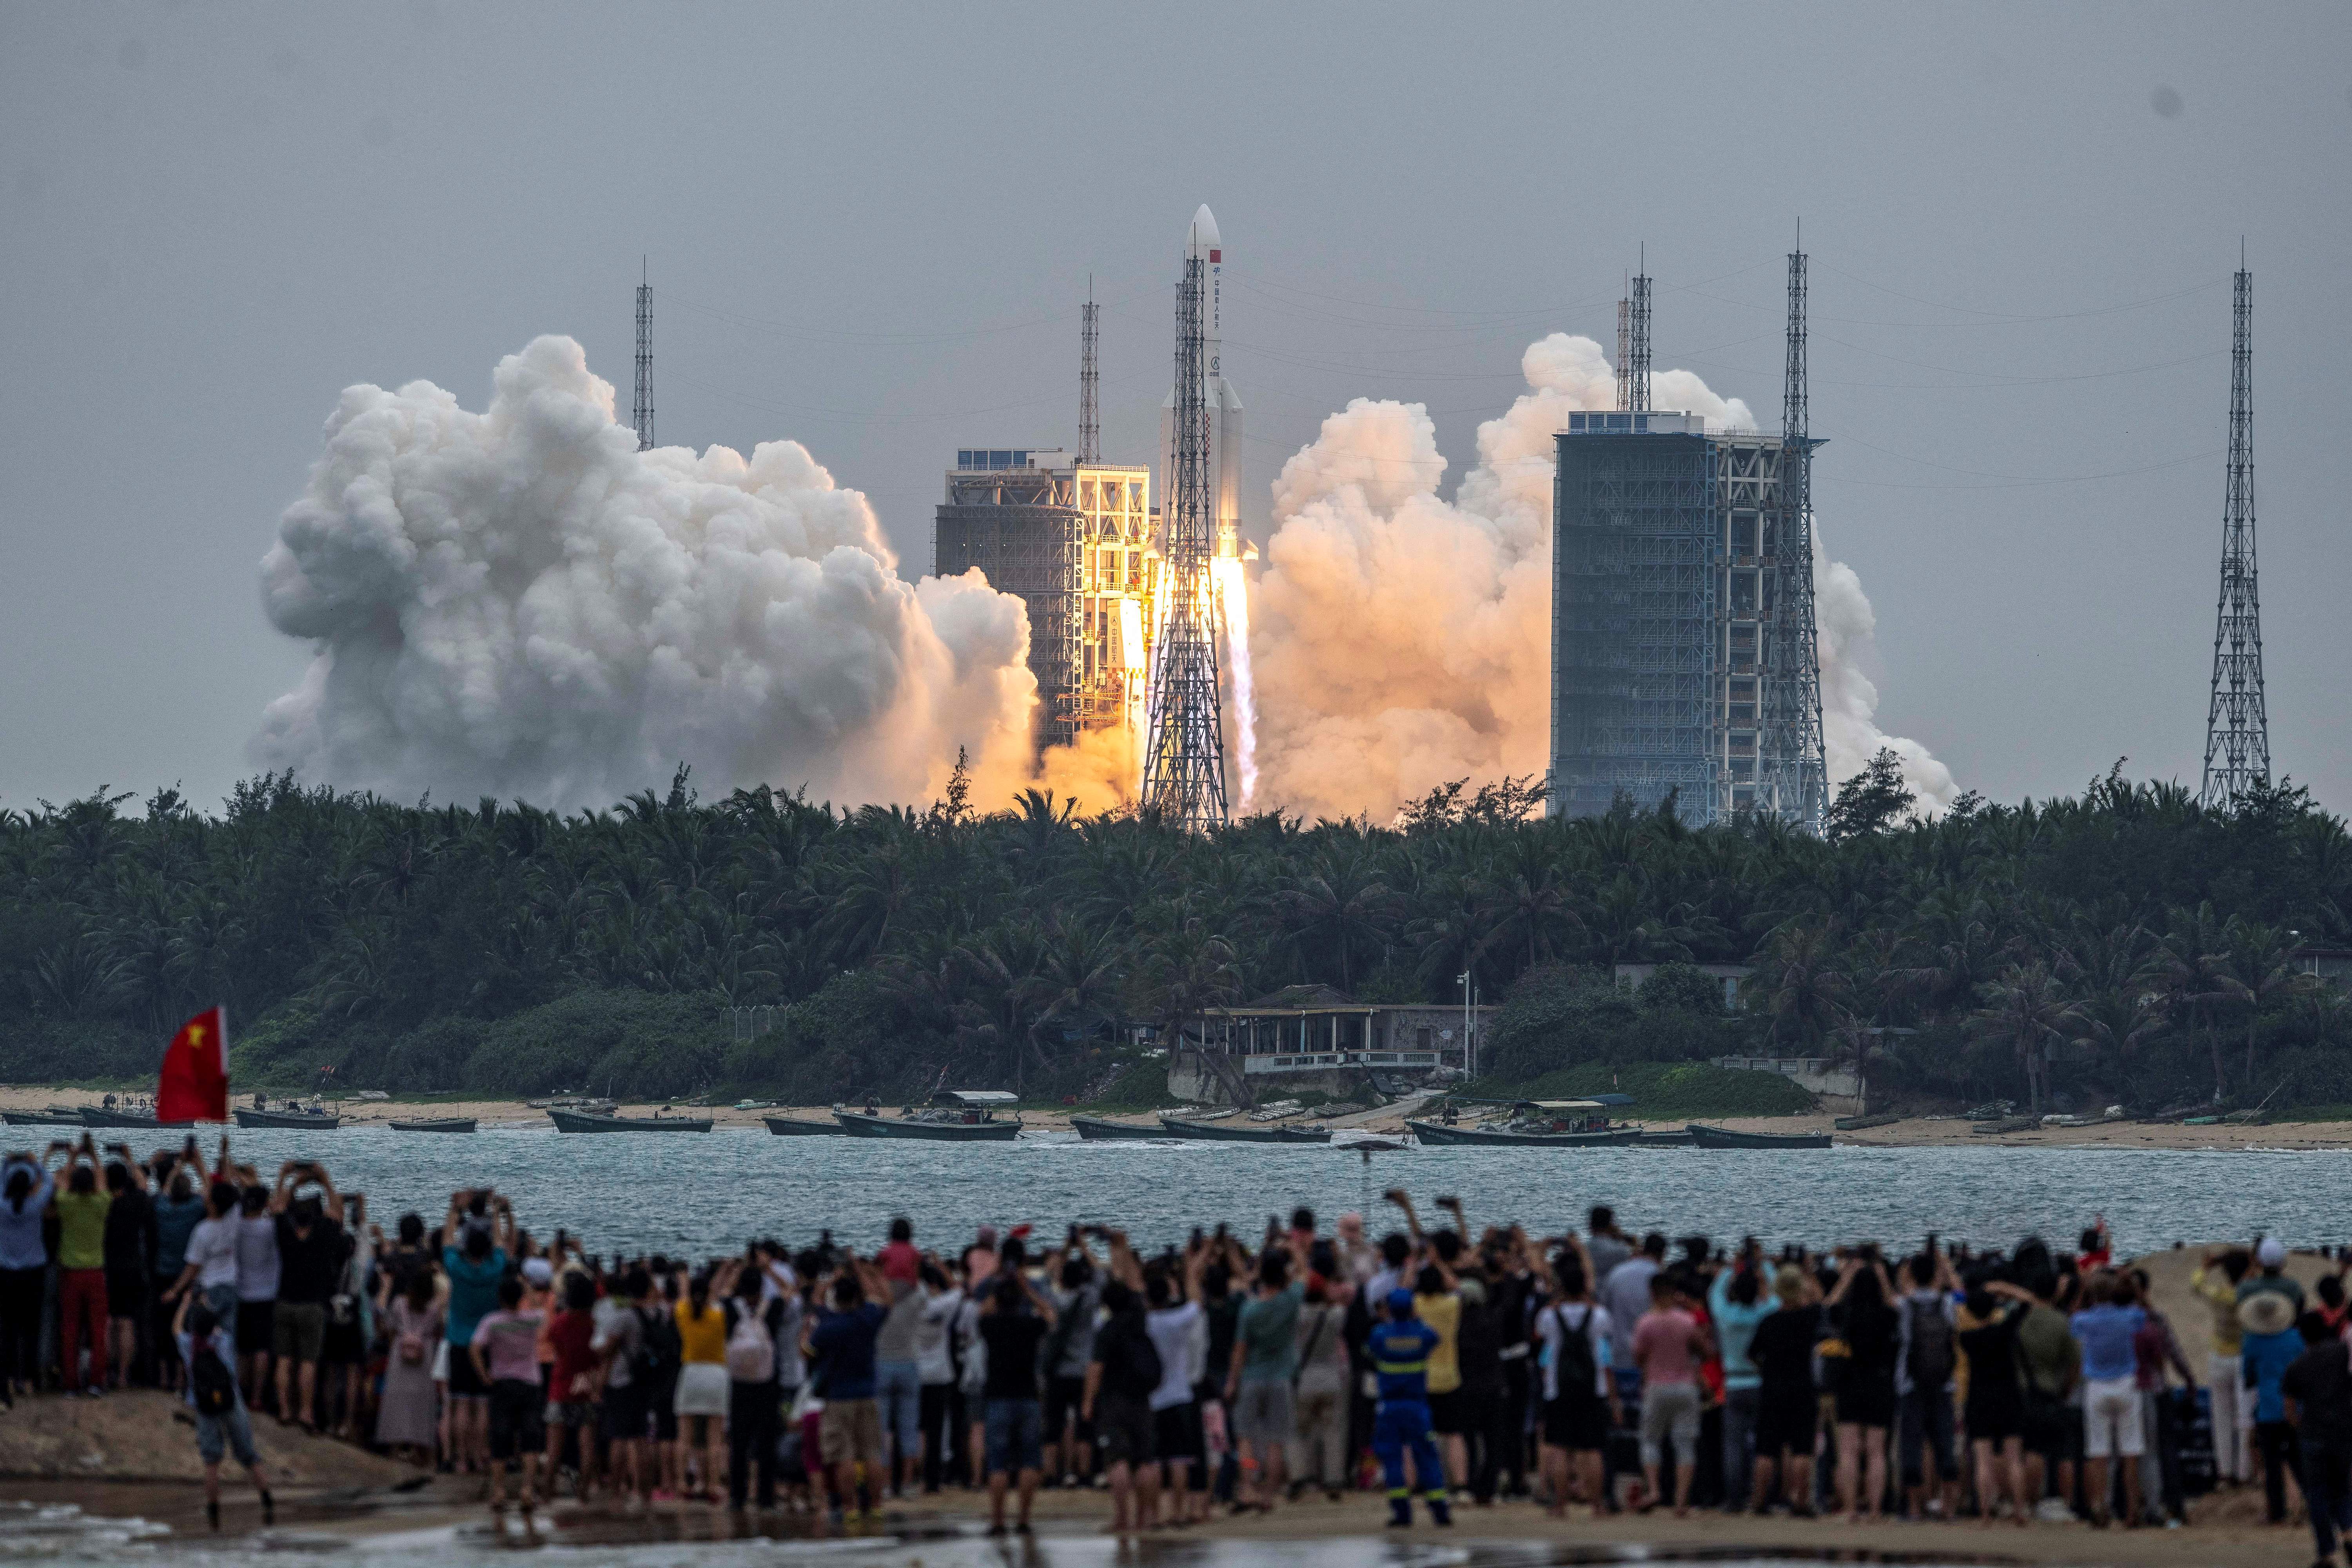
538	1270
2271	1253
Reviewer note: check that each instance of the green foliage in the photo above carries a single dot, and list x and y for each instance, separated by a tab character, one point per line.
2128	945
1873	800
1667	1090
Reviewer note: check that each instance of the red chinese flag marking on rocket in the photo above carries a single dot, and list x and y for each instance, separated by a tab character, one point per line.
194	1083
1215	255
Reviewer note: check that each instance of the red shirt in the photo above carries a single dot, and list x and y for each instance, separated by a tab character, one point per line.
570	1335
899	1260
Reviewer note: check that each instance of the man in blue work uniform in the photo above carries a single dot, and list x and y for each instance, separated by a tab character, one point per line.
1400	1352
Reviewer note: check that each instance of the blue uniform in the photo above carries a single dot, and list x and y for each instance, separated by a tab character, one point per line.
1400	1354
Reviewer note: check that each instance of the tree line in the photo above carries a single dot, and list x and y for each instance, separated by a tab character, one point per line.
2124	944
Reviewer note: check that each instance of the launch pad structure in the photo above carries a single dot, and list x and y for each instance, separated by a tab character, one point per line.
1684	655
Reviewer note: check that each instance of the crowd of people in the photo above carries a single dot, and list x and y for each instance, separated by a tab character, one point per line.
1592	1370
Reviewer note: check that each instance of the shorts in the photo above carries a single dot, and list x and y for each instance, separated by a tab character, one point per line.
1176	1432
1670	1416
217	1435
126	1294
2052	1430
1123	1429
702	1390
1867	1401
299	1330
1066	1401
851	1429
465	1381
1577	1422
571	1415
1995	1419
515	1428
1015	1436
1786	1423
254	1320
1446	1415
1263	1418
2111	1424
345	1346
624	1413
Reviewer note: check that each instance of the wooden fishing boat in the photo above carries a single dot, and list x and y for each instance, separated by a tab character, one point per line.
316	1121
1707	1137
955	1116
793	1127
92	1116
1857	1123
1533	1124
1655	1138
585	1121
55	1116
436	1124
1096	1129
1241	1132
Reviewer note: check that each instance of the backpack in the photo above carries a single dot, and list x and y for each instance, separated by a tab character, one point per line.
1134	1368
1574	1369
1930	1363
211	1382
660	1352
751	1354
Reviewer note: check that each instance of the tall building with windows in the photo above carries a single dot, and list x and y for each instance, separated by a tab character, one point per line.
1074	541
1682	620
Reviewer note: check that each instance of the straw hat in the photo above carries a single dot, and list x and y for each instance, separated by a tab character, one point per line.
2266	1312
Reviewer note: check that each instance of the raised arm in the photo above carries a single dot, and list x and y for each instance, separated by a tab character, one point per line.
1125	1266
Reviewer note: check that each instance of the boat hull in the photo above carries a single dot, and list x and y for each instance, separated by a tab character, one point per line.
94	1118
1437	1134
1724	1138
283	1119
1221	1132
443	1124
857	1124
580	1122
793	1127
1095	1130
43	1118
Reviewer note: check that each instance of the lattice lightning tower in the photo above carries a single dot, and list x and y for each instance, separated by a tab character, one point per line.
1624	355
1089	425
2237	722
1184	759
1637	342
643	409
1798	693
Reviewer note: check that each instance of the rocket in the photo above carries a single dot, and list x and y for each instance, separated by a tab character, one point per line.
1203	242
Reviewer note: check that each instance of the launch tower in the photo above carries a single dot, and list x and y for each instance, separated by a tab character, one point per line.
1184	743
642	409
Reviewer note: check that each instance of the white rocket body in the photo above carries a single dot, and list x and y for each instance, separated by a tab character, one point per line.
1224	403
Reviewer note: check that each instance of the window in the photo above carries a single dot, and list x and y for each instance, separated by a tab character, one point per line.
1743	533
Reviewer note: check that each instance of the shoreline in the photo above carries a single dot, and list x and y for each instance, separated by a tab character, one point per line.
1911	1133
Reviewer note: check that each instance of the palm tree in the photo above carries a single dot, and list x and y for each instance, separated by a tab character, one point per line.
1802	979
2193	964
2027	1007
2258	963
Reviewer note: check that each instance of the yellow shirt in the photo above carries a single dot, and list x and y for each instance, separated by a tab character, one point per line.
81	1225
1442	1314
2221	1298
703	1338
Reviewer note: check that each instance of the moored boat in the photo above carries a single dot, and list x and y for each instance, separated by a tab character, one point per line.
1707	1137
793	1127
55	1116
1533	1124
314	1121
955	1116
587	1122
1241	1132
93	1116
1098	1129
436	1124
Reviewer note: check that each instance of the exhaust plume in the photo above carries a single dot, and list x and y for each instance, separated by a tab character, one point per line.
519	603
1404	641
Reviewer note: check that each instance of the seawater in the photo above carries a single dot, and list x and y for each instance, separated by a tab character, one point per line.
707	1194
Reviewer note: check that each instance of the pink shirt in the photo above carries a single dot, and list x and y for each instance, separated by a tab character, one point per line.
510	1342
1662	1343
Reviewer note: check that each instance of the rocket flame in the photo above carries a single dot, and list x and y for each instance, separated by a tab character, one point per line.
1232	599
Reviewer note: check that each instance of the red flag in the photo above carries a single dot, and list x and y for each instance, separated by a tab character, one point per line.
194	1086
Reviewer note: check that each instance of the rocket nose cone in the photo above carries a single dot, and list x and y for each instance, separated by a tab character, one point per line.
1203	235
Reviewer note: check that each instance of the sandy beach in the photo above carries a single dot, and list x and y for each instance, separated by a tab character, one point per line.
1909	1133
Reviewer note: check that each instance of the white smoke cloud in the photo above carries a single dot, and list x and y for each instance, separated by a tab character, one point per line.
1404	641
520	603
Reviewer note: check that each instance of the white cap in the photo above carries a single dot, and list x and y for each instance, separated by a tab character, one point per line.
538	1270
2271	1253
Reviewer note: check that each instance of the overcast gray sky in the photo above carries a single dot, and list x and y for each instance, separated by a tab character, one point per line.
870	228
